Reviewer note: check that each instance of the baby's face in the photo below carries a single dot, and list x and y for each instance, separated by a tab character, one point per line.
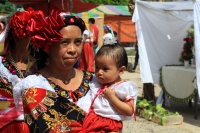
106	70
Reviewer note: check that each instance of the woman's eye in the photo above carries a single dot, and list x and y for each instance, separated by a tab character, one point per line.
64	43
78	42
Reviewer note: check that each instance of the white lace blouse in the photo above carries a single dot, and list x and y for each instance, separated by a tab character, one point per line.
13	79
124	91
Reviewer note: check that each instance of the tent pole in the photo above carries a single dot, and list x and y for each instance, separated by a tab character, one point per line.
71	6
48	6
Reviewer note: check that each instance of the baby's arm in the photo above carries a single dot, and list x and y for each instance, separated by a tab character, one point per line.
122	107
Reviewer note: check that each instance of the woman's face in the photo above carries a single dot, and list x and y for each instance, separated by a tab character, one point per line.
65	53
105	30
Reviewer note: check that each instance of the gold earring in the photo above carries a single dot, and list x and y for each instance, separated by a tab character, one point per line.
47	62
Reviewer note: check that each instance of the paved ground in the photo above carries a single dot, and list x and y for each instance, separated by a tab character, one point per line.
190	125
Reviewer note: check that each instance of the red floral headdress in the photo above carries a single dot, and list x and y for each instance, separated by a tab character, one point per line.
45	31
20	21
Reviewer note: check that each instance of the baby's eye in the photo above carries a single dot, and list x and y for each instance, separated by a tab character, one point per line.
105	69
96	68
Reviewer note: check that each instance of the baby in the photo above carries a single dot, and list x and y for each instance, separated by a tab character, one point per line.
111	100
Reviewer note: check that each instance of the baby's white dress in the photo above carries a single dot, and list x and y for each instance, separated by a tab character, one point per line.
124	91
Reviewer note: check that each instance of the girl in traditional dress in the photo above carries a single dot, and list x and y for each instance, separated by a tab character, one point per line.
111	99
87	57
108	32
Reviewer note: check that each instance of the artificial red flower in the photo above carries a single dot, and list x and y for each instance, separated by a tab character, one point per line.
185	47
190	40
186	39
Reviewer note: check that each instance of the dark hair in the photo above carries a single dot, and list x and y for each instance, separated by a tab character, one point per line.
68	20
74	20
116	52
4	23
92	20
115	33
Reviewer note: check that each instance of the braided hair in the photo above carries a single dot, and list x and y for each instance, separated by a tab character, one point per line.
74	20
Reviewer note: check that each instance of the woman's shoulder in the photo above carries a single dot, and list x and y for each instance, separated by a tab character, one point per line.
87	75
33	81
86	32
108	35
4	73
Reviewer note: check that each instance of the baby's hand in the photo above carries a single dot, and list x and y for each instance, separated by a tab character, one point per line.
109	93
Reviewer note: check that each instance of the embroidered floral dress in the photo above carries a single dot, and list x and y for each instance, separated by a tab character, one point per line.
50	109
9	76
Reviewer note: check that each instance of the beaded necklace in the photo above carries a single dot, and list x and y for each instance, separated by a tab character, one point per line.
15	65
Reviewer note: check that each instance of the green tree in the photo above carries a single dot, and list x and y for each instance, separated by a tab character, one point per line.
108	2
6	7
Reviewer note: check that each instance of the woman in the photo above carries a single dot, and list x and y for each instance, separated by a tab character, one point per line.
49	96
13	64
2	26
108	32
87	57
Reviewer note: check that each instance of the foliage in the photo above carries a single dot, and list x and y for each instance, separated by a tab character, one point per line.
108	2
187	53
150	109
143	103
6	8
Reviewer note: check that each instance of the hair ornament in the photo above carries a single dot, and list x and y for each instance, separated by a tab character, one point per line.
20	21
47	29
44	30
107	27
71	20
109	41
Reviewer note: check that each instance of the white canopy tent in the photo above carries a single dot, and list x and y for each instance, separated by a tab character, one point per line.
197	40
160	28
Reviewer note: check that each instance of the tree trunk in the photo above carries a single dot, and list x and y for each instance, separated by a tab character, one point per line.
148	91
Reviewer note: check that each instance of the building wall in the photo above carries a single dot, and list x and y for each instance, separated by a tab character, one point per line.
124	26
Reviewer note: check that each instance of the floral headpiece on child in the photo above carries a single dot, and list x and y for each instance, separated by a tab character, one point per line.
109	41
20	21
47	30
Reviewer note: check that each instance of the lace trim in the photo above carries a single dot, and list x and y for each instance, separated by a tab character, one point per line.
5	73
78	93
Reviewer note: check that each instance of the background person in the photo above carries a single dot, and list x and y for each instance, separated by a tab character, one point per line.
115	35
95	31
13	65
87	56
2	26
136	58
108	33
